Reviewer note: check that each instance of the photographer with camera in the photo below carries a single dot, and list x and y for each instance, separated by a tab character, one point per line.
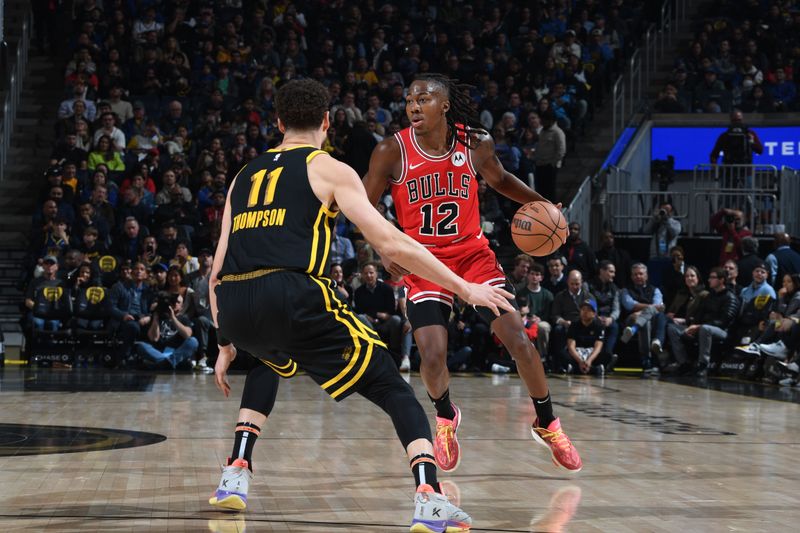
169	337
665	229
730	224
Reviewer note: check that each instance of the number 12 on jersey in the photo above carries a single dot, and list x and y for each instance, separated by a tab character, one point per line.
447	213
255	187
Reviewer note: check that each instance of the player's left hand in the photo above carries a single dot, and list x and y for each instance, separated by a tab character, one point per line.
494	298
226	355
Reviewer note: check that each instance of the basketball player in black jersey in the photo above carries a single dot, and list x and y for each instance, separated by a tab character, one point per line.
269	297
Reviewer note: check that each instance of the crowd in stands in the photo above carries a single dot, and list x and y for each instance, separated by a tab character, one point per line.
165	101
744	56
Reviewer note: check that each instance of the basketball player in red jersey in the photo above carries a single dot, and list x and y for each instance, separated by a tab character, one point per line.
431	168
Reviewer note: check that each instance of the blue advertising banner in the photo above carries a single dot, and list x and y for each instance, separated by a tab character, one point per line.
692	145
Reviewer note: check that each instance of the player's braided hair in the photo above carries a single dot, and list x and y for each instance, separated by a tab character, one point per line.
461	118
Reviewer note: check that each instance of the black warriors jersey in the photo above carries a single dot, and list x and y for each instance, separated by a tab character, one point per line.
276	220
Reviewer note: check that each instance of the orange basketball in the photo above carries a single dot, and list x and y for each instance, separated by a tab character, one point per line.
539	228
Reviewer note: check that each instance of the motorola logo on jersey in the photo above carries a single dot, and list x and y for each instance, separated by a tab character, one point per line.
458	159
426	187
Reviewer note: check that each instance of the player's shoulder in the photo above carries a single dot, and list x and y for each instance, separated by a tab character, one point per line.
388	147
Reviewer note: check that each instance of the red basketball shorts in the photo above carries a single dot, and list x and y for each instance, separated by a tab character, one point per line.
473	261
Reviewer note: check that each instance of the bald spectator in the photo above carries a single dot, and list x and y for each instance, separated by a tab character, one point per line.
564	312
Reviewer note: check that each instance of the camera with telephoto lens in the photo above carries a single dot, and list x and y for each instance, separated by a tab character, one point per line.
730	219
662	213
164	302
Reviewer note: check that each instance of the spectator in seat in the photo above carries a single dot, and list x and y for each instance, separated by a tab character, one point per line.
90	246
732	269
109	129
342	250
715	314
563	313
644	304
88	218
168	240
128	244
103	153
102	207
183	260
729	223
169	337
49	278
522	265
67	150
133	206
673	276
579	255
375	300
759	286
607	294
784	91
783	260
585	338
539	302
748	261
130	308
687	299
550	152
198	282
619	257
556	280
775	338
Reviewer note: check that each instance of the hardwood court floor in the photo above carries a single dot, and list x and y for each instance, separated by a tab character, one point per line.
658	456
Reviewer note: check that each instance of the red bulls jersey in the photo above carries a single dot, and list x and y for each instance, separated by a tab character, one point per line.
436	197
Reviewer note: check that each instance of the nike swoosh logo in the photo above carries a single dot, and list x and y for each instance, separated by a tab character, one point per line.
412	167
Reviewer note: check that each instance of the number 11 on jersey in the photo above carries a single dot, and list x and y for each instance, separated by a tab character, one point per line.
255	187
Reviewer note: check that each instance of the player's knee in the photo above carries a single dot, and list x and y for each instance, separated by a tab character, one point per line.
521	349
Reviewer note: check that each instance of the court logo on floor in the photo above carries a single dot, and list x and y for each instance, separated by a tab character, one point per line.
28	439
661	424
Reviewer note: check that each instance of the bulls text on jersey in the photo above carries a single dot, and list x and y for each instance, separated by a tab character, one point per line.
430	185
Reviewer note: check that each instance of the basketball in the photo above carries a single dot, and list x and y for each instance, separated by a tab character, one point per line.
539	228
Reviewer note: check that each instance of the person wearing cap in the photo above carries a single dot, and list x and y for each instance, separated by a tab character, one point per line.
49	277
585	338
759	286
711	322
159	275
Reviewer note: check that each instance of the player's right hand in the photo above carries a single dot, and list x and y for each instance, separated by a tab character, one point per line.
226	355
494	298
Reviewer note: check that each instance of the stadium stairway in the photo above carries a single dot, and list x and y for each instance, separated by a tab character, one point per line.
592	148
31	144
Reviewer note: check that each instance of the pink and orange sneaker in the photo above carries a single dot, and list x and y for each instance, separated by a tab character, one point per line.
445	444
561	449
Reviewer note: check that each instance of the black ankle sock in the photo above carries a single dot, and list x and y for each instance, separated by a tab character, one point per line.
246	435
424	468
444	409
544	410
